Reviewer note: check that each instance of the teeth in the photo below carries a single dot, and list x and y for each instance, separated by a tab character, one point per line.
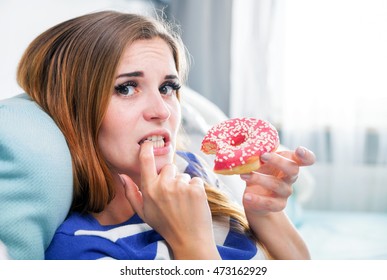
157	141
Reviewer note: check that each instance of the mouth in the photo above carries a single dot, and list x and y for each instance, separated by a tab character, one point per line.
158	141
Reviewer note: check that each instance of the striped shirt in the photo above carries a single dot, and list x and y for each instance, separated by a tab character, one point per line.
82	237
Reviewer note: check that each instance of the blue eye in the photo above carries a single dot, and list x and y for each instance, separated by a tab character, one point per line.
169	88
126	89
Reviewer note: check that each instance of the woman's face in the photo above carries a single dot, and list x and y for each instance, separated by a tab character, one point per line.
143	106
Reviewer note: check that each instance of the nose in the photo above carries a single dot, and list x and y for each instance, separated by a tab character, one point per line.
156	108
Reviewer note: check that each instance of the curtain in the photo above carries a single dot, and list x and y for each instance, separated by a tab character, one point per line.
254	29
206	32
317	69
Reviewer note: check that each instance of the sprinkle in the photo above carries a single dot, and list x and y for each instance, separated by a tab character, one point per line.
236	140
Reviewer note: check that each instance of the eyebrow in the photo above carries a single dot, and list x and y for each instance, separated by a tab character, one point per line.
141	74
131	74
171	77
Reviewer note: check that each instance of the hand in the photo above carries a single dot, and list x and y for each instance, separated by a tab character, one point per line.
174	205
268	188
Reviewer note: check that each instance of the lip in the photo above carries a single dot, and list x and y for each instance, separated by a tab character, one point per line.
163	133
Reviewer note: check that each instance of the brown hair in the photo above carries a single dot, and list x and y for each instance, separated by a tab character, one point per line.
69	71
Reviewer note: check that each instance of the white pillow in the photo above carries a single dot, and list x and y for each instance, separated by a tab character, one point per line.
3	252
199	114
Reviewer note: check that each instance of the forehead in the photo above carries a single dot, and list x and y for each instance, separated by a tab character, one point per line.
142	52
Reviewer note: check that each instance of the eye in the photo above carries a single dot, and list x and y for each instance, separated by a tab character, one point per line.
126	89
169	88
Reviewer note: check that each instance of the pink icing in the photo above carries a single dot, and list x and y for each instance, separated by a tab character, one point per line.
236	140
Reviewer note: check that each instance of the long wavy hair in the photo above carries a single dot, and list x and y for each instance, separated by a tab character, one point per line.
69	71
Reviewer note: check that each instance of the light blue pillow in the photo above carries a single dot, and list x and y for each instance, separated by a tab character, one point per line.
35	178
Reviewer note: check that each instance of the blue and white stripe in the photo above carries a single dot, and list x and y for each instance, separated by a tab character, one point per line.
82	237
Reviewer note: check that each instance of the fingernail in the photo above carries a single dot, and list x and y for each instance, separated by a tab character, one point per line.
245	176
265	157
122	180
248	197
300	151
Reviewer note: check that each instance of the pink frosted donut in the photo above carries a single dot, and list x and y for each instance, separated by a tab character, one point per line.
239	143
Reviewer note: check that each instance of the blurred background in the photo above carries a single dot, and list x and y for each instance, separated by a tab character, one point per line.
317	69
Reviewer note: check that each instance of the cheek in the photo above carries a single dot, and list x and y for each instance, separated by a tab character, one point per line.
106	136
110	133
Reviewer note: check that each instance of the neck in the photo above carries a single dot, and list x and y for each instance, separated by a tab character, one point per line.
119	210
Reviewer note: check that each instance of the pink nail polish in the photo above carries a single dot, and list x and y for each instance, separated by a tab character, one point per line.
245	176
301	151
248	197
265	157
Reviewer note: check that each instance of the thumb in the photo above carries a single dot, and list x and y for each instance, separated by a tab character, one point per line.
133	195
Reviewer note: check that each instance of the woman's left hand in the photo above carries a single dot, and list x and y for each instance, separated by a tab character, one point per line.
268	188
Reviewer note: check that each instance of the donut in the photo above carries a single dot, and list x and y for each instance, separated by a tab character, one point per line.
238	144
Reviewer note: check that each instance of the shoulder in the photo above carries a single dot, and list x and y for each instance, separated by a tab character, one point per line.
235	245
75	222
82	237
35	178
66	245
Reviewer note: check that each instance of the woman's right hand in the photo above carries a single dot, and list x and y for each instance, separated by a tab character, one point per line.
175	206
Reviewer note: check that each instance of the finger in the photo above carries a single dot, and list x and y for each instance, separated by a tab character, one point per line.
302	156
168	172
197	181
196	185
184	177
288	168
147	163
267	185
254	202
133	194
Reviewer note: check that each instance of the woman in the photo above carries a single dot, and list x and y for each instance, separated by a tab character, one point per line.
111	82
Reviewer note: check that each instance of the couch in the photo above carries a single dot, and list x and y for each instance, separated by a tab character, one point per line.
35	162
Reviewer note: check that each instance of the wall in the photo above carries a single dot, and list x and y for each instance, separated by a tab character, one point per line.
22	20
348	188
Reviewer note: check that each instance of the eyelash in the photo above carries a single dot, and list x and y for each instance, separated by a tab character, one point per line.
122	88
174	86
